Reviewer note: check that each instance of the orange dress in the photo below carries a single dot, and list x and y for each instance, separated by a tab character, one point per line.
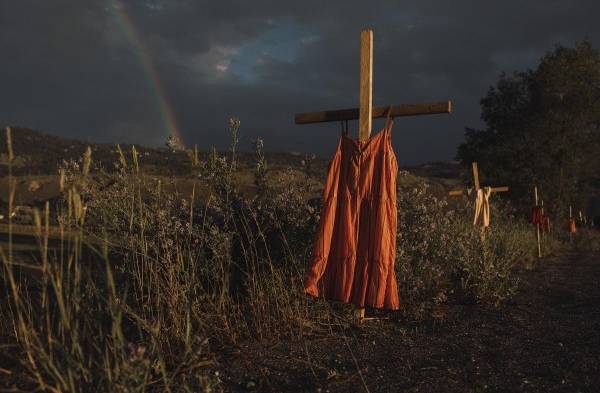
354	249
571	226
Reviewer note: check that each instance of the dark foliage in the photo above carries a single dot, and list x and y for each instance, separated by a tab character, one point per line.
543	129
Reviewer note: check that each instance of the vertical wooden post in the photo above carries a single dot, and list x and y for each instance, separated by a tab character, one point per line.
570	212
476	177
543	224
537	225
570	218
477	187
365	116
359	313
366	85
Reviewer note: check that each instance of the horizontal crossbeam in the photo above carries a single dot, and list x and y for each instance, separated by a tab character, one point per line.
429	108
494	189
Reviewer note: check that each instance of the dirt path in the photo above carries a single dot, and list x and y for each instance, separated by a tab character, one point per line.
546	340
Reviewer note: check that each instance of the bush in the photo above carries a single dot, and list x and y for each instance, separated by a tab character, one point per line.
441	254
424	260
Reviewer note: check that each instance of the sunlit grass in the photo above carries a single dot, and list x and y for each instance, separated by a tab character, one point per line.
146	282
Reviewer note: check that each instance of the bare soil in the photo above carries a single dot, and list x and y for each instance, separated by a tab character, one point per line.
546	340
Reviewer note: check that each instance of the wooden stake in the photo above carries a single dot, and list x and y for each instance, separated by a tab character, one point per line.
476	177
366	85
537	226
359	313
544	223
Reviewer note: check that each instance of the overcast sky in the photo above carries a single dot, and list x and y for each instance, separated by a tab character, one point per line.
96	70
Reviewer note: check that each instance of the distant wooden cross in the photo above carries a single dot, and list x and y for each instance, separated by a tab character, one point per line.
570	224
366	113
537	225
477	185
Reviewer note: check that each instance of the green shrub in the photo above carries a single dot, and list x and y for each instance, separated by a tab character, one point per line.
441	255
425	258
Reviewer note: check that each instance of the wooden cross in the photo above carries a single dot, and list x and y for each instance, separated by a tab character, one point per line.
477	188
365	113
477	185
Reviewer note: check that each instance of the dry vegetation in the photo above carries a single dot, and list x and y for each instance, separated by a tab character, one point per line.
152	284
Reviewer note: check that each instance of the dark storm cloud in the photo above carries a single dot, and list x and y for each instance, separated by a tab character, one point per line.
69	67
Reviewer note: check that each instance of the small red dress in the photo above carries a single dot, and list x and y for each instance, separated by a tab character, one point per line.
354	249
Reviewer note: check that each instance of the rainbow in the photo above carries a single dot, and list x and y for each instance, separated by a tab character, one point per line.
166	110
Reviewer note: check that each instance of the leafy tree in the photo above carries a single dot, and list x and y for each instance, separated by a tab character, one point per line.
543	129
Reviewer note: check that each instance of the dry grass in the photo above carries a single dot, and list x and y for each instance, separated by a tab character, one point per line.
174	273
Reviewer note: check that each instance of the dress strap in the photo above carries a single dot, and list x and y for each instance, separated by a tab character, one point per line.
390	119
344	129
388	124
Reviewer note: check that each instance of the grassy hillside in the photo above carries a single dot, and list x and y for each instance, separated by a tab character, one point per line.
40	155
